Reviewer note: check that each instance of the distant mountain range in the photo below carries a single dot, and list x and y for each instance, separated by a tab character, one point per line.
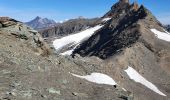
68	27
41	23
50	28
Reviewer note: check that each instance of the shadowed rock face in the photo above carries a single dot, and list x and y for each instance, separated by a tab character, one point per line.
117	9
121	32
167	27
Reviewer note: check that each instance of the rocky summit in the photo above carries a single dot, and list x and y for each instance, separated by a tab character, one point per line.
124	55
123	30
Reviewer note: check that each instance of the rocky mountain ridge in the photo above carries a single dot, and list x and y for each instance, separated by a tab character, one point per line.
122	31
68	27
130	36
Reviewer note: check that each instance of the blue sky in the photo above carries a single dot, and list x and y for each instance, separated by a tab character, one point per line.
59	10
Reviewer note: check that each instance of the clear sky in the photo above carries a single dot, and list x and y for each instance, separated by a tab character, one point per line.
59	10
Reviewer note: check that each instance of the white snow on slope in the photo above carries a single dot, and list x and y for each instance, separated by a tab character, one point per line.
69	52
106	19
134	75
75	38
98	78
162	35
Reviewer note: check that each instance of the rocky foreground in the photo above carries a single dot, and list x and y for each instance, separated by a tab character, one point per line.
30	72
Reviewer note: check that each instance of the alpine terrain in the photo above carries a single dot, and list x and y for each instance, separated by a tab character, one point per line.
124	55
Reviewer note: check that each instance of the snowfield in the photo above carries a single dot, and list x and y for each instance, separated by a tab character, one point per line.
106	19
98	78
162	35
74	39
134	75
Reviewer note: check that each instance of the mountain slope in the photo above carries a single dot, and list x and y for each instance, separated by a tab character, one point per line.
126	40
40	23
124	29
27	75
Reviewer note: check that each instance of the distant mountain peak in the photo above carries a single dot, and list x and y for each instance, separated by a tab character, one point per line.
38	17
39	23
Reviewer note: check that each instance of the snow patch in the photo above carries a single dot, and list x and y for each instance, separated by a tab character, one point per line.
98	78
75	39
106	19
162	35
124	89
69	52
134	75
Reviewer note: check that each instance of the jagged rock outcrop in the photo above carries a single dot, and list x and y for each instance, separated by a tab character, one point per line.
167	27
122	31
23	33
128	40
6	21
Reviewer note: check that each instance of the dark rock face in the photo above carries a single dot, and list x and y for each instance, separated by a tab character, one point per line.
41	23
68	27
167	27
122	31
117	9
